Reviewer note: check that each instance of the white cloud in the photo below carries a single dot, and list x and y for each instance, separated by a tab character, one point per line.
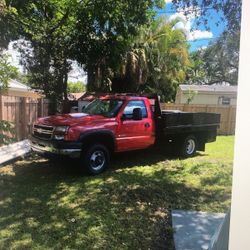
168	1
186	22
76	74
199	34
14	56
202	47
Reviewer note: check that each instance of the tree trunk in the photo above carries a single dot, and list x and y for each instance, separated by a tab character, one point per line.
91	79
65	85
94	79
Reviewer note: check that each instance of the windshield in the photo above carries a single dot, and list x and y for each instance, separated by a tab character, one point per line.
107	108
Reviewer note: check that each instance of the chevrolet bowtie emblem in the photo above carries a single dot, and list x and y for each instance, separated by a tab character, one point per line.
39	130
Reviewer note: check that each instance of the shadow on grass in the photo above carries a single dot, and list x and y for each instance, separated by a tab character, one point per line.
148	157
48	205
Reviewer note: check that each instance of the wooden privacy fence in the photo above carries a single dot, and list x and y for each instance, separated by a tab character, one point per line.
228	114
22	112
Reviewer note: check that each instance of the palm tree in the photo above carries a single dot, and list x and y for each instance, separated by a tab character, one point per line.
158	59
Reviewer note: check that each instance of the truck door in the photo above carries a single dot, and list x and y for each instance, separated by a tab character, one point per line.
135	134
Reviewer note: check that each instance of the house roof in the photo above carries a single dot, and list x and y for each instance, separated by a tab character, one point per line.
16	85
16	88
209	88
74	96
90	96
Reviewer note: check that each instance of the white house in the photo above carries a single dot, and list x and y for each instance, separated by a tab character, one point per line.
16	88
206	94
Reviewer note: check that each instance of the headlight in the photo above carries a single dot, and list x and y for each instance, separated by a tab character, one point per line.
60	131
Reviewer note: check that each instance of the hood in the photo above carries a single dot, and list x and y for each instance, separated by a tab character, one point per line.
69	119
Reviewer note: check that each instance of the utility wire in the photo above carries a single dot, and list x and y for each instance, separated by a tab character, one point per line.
184	11
203	39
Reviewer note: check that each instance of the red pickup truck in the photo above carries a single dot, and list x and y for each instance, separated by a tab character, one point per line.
118	123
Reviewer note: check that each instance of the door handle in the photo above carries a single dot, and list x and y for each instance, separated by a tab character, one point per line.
147	125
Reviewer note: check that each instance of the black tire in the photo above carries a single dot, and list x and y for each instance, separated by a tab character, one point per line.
94	159
188	146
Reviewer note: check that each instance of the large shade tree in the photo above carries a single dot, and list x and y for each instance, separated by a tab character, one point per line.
46	28
7	71
221	59
95	33
106	30
196	73
231	10
218	63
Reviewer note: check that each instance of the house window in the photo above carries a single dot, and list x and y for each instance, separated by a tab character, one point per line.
225	101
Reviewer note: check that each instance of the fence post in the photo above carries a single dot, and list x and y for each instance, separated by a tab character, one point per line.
23	118
229	123
206	108
185	107
40	111
1	107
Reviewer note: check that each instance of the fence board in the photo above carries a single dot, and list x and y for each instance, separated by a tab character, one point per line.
22	112
228	114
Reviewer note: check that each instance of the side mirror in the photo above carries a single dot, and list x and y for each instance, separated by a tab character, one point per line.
137	114
123	117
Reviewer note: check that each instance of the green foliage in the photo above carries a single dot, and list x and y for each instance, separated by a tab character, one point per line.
120	44
96	34
157	62
76	87
47	27
196	73
7	132
202	9
7	71
109	30
191	95
221	59
23	78
217	63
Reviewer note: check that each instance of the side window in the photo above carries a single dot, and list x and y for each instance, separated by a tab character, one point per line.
128	111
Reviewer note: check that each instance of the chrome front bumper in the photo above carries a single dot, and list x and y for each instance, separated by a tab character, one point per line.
49	148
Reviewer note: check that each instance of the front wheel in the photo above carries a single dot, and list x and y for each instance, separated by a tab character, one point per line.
95	159
188	146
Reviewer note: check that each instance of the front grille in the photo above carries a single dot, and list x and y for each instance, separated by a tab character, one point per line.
43	131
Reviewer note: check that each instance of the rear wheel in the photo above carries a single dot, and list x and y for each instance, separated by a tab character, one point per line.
95	159
188	146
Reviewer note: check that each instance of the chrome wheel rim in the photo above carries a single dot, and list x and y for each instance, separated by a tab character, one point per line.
190	146
97	160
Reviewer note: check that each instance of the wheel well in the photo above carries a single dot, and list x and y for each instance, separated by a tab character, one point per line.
99	138
201	138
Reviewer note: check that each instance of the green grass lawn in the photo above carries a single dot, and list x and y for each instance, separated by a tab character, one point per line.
45	205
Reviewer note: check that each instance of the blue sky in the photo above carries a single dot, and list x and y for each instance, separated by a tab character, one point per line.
197	36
